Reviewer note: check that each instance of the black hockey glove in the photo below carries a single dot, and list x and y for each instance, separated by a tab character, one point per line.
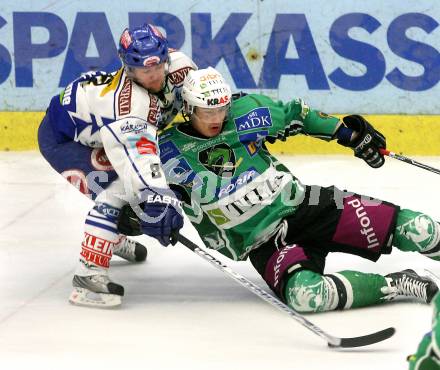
129	223
366	142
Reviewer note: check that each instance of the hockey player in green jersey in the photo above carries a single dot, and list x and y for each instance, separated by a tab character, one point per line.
427	356
246	204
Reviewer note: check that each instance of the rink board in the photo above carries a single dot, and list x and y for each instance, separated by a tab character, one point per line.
339	56
411	135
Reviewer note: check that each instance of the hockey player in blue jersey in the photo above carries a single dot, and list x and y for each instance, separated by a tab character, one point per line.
100	134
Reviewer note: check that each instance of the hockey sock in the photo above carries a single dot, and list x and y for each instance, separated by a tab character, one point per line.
307	291
417	232
361	289
100	237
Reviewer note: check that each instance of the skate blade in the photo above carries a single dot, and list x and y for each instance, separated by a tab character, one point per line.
85	297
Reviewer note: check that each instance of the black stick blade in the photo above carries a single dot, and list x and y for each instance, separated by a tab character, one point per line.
365	340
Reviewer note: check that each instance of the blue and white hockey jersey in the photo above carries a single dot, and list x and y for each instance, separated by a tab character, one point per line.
109	110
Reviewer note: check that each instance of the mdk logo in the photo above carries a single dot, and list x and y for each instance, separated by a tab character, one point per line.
219	159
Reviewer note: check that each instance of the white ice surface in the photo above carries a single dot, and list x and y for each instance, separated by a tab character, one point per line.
179	312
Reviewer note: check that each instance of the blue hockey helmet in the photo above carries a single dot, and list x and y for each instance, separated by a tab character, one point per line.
143	46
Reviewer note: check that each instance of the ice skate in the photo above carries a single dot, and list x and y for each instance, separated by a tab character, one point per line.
408	283
130	250
96	291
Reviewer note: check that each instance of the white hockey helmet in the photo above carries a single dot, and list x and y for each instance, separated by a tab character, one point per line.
205	88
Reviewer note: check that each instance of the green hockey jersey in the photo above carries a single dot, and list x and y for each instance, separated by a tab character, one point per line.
235	192
427	356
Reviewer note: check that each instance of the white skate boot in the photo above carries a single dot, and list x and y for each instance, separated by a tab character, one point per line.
96	291
130	250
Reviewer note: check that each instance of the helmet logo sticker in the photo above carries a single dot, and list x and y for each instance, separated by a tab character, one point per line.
156	31
210	76
216	101
151	61
126	39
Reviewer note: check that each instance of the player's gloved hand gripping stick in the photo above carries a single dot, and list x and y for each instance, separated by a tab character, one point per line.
160	214
332	341
357	133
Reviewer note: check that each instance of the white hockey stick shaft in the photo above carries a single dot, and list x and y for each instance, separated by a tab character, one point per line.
331	340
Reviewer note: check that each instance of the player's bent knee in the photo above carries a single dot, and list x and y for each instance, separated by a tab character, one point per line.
308	291
416	231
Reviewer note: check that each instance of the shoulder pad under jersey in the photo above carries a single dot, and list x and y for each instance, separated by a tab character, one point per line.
178	66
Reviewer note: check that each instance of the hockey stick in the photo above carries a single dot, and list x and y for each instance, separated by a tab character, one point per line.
433	276
408	160
332	341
